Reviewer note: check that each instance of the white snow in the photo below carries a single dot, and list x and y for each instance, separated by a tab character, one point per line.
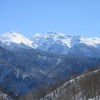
14	37
90	41
69	40
47	40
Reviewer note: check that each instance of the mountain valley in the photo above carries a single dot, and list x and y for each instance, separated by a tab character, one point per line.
44	60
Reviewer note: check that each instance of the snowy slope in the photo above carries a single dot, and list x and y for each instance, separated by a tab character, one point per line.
52	42
49	39
69	40
59	42
91	41
13	38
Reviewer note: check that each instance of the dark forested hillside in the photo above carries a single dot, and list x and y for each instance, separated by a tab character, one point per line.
84	87
31	71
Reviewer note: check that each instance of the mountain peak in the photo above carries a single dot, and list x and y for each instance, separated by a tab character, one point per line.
49	41
55	33
37	34
14	33
52	32
14	37
11	34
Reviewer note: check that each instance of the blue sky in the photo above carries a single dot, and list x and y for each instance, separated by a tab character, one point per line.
67	16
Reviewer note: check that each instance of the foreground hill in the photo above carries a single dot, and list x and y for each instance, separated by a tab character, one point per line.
84	87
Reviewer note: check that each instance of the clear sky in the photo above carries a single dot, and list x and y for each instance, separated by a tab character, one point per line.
67	16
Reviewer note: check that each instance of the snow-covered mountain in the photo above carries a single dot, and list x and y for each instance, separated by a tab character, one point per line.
12	39
46	41
61	43
52	42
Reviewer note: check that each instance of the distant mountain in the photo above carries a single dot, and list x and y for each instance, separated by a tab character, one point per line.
50	38
46	41
52	42
60	43
13	40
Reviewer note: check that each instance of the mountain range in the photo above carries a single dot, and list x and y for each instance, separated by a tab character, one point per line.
44	59
52	42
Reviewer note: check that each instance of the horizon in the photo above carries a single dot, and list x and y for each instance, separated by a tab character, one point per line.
34	16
